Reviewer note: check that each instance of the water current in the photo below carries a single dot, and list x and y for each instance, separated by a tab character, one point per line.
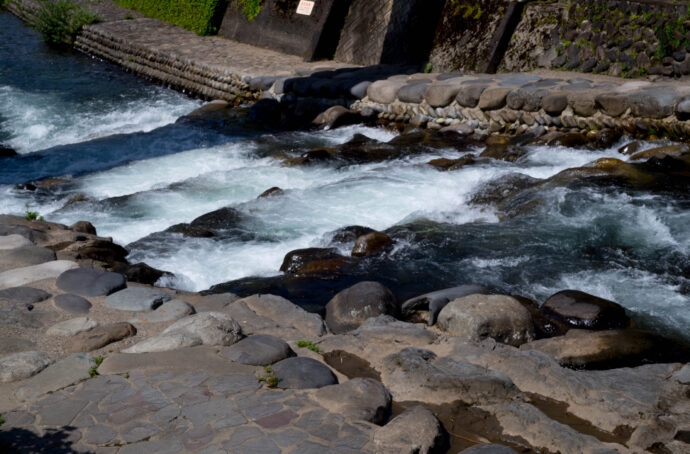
116	141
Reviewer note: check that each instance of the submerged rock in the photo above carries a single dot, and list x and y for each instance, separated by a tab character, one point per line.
581	310
371	243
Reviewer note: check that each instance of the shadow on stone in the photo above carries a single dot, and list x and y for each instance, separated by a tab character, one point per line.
54	441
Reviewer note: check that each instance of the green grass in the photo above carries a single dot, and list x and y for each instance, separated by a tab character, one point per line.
269	378
2	421
195	15
59	22
32	215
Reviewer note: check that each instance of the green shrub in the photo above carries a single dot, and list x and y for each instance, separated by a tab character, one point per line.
250	8
199	16
59	22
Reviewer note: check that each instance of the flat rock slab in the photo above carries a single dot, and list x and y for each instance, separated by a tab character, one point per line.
62	374
24	276
25	256
303	373
166	312
22	316
23	295
258	350
14	345
89	282
74	304
137	299
99	337
22	365
72	327
14	241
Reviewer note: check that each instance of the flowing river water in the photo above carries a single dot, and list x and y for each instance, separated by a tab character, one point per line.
135	170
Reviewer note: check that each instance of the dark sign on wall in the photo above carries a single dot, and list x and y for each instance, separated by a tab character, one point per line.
308	28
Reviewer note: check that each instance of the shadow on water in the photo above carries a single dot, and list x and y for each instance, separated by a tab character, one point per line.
54	441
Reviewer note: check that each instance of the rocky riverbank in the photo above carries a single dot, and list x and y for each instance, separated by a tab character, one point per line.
100	361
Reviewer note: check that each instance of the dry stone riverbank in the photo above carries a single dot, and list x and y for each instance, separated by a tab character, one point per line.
93	362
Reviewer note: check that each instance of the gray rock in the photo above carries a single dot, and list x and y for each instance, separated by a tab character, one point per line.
83	227
137	299
14	241
441	95
413	93
258	350
206	328
683	375
554	103
435	301
25	256
350	307
89	282
303	373
389	329
469	95
683	108
493	98
23	316
24	276
166	312
461	129
270	314
477	317
415	374
414	431
14	345
582	310
489	448
215	303
23	295
22	365
72	303
359	91
62	374
385	91
72	327
359	399
652	103
99	337
527	98
613	104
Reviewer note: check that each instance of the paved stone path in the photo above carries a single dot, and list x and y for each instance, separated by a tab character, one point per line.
167	409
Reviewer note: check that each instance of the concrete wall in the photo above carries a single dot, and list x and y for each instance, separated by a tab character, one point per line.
388	31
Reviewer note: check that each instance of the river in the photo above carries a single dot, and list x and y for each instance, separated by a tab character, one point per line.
135	170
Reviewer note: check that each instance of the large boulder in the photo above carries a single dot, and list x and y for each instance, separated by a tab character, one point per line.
349	308
360	399
296	261
99	337
206	328
25	256
582	310
22	365
414	431
90	282
13	241
270	314
258	350
609	349
477	317
415	374
435	301
302	373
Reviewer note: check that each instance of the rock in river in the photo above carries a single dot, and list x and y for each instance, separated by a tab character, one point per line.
582	310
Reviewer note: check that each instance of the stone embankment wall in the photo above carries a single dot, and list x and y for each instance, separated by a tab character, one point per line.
616	37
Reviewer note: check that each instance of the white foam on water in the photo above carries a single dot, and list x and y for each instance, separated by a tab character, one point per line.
38	121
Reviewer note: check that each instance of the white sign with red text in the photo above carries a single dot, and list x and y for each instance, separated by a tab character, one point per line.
305	7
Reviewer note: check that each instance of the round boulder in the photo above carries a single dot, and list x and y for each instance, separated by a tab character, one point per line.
89	282
582	310
477	317
303	373
258	350
83	227
22	365
23	295
360	399
352	306
137	299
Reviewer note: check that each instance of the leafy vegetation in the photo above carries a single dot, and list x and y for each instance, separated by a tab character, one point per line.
199	16
269	378
2	421
309	345
32	215
250	8
59	22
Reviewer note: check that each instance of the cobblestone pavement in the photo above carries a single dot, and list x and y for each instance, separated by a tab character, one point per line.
157	411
